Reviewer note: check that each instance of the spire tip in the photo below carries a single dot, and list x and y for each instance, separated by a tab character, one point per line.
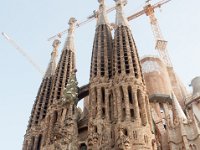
72	21
56	43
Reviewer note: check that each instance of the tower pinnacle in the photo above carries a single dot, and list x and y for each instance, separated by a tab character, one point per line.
120	18
102	19
69	44
52	64
65	65
178	112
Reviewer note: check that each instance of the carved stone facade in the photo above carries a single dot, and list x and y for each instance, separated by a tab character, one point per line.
168	116
121	110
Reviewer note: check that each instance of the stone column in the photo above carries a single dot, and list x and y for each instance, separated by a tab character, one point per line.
149	112
185	141
36	143
107	108
31	143
99	101
144	111
136	107
126	100
119	104
115	105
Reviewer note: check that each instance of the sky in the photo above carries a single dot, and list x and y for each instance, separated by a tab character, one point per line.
30	23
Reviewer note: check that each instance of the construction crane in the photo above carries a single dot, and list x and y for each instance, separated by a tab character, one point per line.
89	19
161	44
31	61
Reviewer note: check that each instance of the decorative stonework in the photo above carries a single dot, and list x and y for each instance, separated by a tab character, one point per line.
118	115
150	66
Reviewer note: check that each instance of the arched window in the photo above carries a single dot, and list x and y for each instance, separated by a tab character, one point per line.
103	113
110	107
73	110
32	142
83	146
132	114
139	101
39	142
95	129
103	95
125	131
55	117
130	95
121	93
123	114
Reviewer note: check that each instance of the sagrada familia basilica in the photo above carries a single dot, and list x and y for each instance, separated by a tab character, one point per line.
129	103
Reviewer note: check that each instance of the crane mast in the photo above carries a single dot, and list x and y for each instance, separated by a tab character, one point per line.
161	44
14	44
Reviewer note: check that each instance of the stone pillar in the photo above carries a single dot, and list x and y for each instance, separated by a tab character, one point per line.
149	112
107	108
115	107
36	143
185	141
136	107
25	145
99	104
119	105
126	100
31	143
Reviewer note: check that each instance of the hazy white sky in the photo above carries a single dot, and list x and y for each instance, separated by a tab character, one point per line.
30	23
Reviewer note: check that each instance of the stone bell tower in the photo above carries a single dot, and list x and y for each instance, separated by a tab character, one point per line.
100	105
133	122
57	111
34	134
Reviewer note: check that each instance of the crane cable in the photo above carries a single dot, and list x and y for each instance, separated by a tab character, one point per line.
15	45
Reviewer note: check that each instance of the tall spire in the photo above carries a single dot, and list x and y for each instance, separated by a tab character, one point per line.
102	46
40	106
125	55
120	17
52	64
66	64
178	112
130	98
102	18
69	43
99	92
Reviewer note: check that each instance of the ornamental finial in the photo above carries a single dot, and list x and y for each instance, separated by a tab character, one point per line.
102	17
69	44
120	17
